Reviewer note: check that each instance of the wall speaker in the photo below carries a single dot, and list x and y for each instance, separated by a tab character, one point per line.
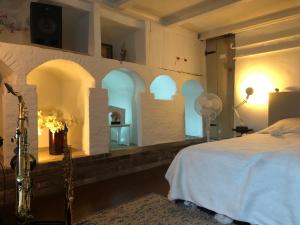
46	24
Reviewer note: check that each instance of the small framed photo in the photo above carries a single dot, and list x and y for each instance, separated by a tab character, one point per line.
106	51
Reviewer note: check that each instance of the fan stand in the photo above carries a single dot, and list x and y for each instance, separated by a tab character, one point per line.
207	128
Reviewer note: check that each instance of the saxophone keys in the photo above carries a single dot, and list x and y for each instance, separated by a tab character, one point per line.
20	179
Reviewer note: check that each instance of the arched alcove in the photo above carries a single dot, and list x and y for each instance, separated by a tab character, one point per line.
64	85
123	89
163	87
193	121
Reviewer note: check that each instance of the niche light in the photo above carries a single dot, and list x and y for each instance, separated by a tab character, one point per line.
262	86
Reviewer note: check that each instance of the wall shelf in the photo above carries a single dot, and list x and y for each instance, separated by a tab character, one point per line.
125	40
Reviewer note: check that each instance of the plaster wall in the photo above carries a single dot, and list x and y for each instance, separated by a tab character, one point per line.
49	93
155	115
75	29
19	12
162	120
152	114
64	86
73	104
8	76
272	62
1	111
75	23
1	121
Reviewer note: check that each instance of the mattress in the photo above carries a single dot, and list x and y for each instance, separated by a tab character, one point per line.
254	178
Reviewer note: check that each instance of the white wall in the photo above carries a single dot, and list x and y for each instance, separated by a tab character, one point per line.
64	86
1	111
1	121
272	62
6	76
49	91
162	121
154	115
18	12
169	47
167	116
75	25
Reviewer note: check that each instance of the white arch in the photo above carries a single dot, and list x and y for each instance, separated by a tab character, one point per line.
191	89
70	70
163	87
124	87
64	85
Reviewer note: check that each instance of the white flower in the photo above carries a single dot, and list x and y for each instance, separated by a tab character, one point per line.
54	120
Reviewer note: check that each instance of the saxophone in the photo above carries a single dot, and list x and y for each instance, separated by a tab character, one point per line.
22	163
68	177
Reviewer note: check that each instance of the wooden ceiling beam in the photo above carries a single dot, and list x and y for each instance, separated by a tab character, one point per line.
287	15
195	10
117	3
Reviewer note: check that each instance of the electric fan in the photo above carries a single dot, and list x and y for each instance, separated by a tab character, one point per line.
209	106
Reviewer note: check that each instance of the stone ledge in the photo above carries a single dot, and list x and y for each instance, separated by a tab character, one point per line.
48	178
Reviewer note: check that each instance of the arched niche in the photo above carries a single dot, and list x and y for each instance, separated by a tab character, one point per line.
64	85
123	89
163	87
193	121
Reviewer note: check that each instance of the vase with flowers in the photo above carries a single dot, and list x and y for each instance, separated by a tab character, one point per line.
54	120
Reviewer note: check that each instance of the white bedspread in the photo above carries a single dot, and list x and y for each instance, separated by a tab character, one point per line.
255	178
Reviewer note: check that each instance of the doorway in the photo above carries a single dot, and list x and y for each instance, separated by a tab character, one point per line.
220	67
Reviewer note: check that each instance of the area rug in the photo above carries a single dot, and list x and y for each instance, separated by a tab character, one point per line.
152	209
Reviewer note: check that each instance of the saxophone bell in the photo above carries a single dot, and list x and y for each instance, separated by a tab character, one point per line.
10	89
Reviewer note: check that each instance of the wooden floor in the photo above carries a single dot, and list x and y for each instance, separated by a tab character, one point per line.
92	198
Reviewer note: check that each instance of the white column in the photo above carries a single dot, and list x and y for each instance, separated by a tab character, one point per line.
99	129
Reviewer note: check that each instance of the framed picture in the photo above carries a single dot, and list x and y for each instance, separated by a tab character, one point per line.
106	51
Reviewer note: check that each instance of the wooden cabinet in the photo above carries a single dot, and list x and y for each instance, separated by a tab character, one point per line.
175	49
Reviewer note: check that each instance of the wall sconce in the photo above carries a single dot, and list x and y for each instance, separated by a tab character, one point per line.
242	128
249	91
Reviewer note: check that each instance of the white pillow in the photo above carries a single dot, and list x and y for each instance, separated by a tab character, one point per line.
284	126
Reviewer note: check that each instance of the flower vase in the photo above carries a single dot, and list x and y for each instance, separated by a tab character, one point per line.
56	142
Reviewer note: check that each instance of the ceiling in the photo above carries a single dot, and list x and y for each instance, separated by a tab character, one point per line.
206	16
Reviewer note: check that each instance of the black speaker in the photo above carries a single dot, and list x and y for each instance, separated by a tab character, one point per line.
46	24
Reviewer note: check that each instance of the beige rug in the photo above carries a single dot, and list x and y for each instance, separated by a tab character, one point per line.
152	209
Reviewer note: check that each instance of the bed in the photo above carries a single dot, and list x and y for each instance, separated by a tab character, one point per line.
254	178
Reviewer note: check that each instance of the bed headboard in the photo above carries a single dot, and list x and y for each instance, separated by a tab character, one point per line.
283	105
